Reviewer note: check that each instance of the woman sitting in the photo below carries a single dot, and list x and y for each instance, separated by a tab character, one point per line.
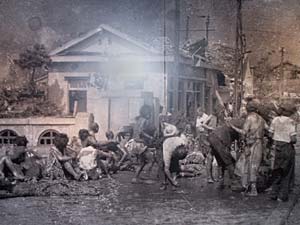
58	163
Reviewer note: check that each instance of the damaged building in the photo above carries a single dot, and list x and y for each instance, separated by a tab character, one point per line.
111	75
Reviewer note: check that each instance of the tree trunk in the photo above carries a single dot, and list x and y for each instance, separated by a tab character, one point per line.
32	83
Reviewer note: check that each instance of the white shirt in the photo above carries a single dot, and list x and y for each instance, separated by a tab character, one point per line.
87	158
283	128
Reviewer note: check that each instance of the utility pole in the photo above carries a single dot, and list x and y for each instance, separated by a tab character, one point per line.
164	63
239	54
176	56
207	27
187	28
282	78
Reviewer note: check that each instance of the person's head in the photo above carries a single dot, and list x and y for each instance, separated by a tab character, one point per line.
200	111
83	134
161	109
287	109
94	128
21	141
252	106
61	141
109	135
188	128
145	111
125	132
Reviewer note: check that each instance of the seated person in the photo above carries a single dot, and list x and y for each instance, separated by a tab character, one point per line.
87	140
115	148
58	163
20	162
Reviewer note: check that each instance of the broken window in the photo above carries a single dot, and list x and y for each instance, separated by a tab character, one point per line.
7	137
47	137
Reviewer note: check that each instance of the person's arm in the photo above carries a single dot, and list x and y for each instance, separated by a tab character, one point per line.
272	128
245	129
61	157
293	133
35	154
241	131
124	156
207	127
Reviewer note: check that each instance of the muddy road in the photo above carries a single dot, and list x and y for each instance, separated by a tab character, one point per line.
121	202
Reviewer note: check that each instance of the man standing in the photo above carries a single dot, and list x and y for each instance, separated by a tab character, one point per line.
283	130
253	132
220	141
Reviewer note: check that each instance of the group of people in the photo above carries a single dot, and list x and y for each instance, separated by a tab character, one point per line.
256	137
235	144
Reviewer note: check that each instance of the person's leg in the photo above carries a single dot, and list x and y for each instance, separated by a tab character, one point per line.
287	175
101	165
255	161
276	178
209	168
69	168
6	161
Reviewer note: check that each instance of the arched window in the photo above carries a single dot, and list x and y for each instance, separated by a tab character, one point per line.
47	137
7	137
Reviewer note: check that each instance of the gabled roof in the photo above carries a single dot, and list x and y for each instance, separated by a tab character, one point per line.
101	28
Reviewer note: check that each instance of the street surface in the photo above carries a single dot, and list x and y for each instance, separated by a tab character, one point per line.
195	202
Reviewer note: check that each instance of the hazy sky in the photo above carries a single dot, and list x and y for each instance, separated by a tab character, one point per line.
268	24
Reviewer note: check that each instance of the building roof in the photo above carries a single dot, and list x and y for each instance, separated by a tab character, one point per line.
101	28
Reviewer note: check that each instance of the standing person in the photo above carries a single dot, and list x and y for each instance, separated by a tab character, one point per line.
142	137
253	132
174	149
204	125
220	141
283	130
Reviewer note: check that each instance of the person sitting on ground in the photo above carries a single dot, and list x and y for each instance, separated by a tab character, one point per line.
58	163
193	163
91	151
123	137
115	148
21	162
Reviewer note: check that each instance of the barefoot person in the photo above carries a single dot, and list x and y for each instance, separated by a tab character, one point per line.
174	149
253	132
58	162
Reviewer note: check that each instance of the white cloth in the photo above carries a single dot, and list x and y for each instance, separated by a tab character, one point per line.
200	121
283	128
169	146
87	158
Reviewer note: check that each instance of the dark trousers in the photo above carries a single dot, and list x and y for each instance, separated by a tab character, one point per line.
284	167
